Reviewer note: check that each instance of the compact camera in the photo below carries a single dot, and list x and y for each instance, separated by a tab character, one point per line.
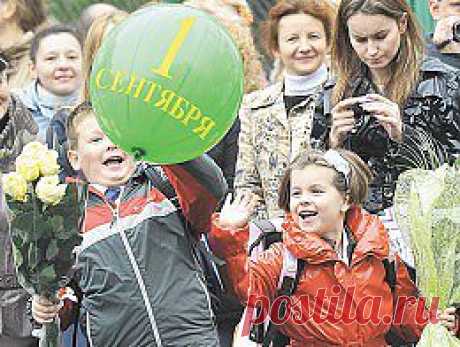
368	136
362	117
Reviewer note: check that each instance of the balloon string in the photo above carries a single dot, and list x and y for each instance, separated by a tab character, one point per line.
139	153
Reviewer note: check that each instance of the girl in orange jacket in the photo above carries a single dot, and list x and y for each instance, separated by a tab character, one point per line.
342	297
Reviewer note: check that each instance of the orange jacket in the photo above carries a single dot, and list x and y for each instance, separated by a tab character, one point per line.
323	271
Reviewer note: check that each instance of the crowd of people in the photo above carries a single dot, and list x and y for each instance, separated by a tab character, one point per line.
357	95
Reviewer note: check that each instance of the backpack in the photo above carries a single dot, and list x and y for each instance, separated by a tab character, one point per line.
289	279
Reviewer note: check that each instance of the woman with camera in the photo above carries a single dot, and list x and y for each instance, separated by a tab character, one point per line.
389	104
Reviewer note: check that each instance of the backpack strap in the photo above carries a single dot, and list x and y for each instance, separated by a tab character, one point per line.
289	280
156	175
262	234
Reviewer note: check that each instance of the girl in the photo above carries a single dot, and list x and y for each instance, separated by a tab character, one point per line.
342	246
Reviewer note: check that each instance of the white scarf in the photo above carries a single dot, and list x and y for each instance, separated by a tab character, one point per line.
295	85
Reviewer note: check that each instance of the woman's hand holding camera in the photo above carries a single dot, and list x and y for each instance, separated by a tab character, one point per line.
43	310
387	113
343	121
379	107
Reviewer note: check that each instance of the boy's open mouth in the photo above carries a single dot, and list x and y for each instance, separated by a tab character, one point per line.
115	160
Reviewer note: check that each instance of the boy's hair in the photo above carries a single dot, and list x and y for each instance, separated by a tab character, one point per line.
358	179
52	30
78	114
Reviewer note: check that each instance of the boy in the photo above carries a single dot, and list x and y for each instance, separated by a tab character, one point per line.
141	285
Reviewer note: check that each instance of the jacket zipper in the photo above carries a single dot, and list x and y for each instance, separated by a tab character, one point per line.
88	330
208	298
137	273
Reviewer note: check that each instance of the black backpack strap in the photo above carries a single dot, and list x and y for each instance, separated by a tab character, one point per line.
269	235
392	338
160	181
288	286
390	273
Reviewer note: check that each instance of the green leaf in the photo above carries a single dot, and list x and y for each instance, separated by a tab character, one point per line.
18	258
47	275
57	223
52	250
32	257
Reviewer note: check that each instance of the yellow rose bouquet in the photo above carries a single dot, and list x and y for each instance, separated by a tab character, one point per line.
44	226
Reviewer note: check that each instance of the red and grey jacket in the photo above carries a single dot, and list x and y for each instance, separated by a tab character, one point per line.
141	284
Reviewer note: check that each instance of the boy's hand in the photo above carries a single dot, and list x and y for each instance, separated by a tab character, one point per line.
43	310
235	215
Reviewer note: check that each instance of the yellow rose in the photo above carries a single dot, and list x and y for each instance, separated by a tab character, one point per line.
48	163
34	149
49	191
28	167
15	186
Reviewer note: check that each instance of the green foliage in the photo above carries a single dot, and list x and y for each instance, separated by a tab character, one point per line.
437	335
427	207
69	10
44	240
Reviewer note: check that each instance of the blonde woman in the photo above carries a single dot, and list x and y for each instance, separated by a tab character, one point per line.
98	29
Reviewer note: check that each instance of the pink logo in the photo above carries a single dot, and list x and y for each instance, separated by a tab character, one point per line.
365	311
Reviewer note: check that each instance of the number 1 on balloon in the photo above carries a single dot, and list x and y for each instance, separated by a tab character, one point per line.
186	25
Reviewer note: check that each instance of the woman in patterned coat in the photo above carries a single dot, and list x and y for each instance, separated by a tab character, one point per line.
276	121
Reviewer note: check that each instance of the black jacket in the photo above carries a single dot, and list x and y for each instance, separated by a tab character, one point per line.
452	59
431	120
225	152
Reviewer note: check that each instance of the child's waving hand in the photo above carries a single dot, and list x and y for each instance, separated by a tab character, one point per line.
236	214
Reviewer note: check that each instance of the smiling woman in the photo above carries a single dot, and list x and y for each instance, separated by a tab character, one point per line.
276	121
56	62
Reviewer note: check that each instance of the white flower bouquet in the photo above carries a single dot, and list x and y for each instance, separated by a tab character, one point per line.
43	226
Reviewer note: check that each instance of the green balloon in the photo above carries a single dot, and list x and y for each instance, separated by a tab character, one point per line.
167	83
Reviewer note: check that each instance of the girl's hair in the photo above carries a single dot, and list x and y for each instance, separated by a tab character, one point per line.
322	10
406	66
358	179
92	43
30	14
